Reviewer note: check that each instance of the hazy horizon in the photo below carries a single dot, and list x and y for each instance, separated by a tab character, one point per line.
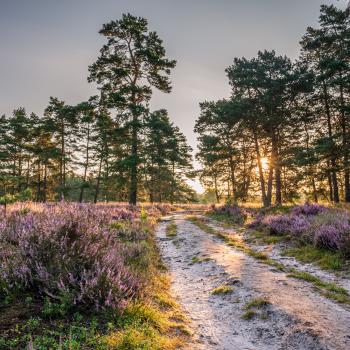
47	46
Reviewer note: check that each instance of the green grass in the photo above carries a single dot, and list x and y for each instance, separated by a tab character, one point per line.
249	314
326	259
251	308
148	326
223	289
256	303
265	238
332	287
328	289
171	230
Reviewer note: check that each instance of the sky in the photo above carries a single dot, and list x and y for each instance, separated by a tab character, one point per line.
46	46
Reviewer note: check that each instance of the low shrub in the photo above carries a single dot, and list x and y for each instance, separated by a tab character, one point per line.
312	224
69	252
286	224
308	209
327	236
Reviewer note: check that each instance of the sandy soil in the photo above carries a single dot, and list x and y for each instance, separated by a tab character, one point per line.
297	318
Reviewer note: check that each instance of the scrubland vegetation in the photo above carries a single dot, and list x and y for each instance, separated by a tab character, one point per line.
79	276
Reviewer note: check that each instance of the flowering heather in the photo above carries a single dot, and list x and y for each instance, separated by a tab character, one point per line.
308	209
286	224
71	249
331	229
327	236
324	227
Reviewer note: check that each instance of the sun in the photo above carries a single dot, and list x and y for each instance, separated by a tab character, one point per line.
264	163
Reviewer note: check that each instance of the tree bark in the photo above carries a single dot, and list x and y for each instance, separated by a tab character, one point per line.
98	181
233	181
81	196
330	135
261	173
345	143
45	183
277	166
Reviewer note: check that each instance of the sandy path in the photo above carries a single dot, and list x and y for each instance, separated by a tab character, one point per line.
298	317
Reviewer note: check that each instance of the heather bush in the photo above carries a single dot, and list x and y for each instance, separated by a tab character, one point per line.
327	236
70	251
331	229
286	224
313	224
308	209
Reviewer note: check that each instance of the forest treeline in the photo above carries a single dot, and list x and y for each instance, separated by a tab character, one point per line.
283	134
111	147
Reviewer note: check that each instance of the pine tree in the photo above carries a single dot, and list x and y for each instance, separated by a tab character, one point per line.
131	63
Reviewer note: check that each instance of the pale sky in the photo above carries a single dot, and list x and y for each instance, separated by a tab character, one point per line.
47	45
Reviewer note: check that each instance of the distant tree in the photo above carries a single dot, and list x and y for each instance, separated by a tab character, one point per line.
167	158
61	120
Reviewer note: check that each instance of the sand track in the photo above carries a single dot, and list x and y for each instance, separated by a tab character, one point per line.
298	317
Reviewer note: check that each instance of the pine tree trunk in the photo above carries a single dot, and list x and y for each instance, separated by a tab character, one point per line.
314	190
38	184
98	181
216	189
345	143
62	162
133	170
45	183
269	184
329	178
81	196
28	172
261	173
277	166
330	135
233	181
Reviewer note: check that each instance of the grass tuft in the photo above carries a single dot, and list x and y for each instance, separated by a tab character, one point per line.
248	315
256	303
171	230
326	259
223	289
252	306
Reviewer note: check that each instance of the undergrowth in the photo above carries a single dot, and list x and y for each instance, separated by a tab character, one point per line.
31	316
